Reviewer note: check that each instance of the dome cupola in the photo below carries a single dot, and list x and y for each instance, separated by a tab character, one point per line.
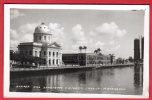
42	34
42	28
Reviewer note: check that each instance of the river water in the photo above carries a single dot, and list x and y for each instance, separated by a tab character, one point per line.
124	80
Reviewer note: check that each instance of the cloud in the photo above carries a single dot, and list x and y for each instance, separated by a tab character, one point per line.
116	47
78	35
14	35
14	13
24	33
14	44
112	42
27	38
58	32
99	44
27	28
111	29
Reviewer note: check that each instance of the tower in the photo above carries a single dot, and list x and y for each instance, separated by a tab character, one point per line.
136	49
142	48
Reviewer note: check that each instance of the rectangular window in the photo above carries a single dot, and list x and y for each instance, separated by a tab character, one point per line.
39	53
39	37
49	53
44	52
56	54
30	52
35	53
44	37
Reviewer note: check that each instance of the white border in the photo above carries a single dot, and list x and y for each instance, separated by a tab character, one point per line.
8	94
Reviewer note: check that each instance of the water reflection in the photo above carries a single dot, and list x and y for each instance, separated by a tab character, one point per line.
126	80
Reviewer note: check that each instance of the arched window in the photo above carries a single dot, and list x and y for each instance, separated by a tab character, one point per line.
39	53
45	38
53	54
57	61
57	54
35	53
50	62
53	61
49	53
44	53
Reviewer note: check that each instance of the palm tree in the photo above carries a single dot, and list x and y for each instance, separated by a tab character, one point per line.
99	50
84	47
80	48
111	58
95	51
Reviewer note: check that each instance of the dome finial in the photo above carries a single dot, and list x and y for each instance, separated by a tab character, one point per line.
42	23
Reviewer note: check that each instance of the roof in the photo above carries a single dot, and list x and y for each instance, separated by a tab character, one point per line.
42	28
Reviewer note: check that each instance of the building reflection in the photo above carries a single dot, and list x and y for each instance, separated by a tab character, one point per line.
138	76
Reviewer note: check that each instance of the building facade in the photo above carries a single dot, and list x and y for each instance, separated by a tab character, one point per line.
43	47
86	59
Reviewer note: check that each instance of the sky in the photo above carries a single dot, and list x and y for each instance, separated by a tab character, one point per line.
112	31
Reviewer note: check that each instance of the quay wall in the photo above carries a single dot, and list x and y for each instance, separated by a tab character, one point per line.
53	70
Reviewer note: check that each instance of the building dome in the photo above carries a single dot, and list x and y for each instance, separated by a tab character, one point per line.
41	28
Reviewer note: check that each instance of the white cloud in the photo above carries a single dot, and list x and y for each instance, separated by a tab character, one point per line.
111	29
14	13
57	32
14	43
24	33
116	48
78	35
13	34
112	42
27	28
27	38
99	44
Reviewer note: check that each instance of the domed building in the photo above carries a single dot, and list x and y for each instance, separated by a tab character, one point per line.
43	47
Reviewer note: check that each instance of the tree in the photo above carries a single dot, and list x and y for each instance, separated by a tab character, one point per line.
80	48
131	59
84	47
20	57
99	50
95	51
111	58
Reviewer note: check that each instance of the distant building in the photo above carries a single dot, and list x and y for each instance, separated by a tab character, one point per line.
142	48
84	59
43	47
136	49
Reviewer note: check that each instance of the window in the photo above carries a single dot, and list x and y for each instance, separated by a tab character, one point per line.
53	61
30	52
35	38
49	53
44	52
39	37
50	62
53	54
49	38
56	61
44	37
57	54
39	53
35	53
26	52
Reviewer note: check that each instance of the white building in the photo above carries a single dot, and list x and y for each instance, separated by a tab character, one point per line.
42	46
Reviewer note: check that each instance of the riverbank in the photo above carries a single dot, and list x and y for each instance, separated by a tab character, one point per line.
52	70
